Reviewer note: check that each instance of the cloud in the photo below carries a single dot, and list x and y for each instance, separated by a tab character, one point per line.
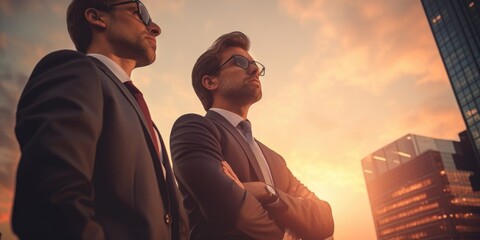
5	6
10	87
22	54
366	44
171	7
433	116
11	84
3	42
9	6
373	74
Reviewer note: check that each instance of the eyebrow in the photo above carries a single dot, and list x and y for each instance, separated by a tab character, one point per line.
127	6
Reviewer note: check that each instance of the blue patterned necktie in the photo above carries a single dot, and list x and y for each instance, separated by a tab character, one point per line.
246	127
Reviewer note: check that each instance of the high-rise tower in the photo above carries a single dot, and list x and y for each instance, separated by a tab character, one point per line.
455	25
420	188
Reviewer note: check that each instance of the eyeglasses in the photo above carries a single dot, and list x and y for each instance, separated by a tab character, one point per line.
243	62
141	10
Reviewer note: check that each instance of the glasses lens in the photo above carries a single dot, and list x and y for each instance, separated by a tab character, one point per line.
144	13
241	61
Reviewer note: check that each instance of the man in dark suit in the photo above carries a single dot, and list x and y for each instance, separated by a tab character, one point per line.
92	167
235	187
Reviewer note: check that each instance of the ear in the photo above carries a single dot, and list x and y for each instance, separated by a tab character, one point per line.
210	82
95	17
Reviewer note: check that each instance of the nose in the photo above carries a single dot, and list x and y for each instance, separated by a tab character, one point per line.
253	69
154	28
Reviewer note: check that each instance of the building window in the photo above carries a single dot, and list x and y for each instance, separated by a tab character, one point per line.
436	19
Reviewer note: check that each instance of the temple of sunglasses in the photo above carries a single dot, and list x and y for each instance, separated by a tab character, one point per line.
141	10
244	63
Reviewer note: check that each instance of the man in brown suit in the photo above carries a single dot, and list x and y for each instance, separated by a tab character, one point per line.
235	187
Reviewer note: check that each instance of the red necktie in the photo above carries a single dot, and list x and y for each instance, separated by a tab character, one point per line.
143	105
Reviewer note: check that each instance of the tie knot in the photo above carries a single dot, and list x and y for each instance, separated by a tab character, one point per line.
246	126
134	90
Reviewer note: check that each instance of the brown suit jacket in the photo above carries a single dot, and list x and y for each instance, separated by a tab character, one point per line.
88	169
220	209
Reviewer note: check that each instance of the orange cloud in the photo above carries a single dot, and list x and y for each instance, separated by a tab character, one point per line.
5	204
432	118
368	44
162	6
11	83
3	41
5	7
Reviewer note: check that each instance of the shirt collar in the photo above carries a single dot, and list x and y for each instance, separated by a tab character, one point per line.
113	66
231	117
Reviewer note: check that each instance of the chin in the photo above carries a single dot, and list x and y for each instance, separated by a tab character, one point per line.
146	61
258	97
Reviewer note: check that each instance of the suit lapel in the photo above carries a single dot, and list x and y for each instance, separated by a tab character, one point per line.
130	98
240	139
156	158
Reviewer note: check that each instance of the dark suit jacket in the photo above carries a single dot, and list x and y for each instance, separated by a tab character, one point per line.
220	209
88	169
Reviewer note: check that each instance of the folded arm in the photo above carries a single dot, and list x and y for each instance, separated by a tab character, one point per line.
298	208
307	216
197	157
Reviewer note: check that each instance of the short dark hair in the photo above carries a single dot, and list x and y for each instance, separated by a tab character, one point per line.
209	62
78	27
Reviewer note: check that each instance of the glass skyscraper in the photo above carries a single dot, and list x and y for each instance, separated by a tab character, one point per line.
455	25
426	188
420	188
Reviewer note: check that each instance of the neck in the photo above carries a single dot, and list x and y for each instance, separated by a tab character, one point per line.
126	64
241	111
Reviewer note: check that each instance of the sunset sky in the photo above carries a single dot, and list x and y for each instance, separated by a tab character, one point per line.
343	78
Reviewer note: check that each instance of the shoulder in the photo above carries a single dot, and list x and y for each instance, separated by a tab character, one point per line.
191	118
66	53
63	59
271	153
65	73
62	56
194	124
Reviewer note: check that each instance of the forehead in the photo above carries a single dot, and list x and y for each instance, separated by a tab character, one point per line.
228	52
111	2
125	3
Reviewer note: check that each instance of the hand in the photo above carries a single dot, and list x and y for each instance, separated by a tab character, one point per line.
289	235
231	174
258	190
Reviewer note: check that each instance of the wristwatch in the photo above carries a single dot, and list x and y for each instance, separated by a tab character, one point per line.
272	194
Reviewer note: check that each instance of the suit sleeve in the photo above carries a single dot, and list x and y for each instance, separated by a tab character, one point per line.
308	217
59	119
196	153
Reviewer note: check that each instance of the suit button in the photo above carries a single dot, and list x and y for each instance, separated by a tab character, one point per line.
168	218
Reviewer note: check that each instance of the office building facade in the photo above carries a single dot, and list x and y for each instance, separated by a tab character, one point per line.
455	25
420	188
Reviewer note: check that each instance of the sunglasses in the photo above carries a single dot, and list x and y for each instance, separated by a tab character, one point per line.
141	10
243	62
